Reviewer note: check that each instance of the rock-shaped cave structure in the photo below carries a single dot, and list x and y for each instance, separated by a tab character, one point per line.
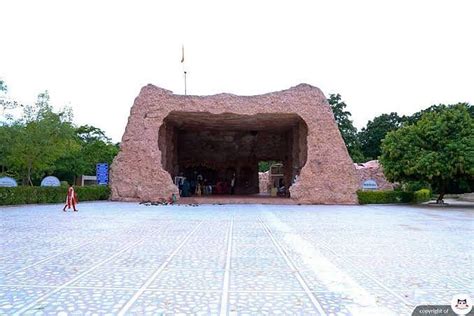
224	136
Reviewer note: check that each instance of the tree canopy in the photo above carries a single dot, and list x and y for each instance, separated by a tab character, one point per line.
5	104
37	139
438	149
42	142
347	129
372	135
94	147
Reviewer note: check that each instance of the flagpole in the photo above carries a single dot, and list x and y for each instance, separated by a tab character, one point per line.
184	69
185	82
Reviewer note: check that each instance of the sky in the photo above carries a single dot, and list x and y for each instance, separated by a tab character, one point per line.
381	56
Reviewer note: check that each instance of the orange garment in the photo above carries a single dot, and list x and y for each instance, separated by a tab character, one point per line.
71	198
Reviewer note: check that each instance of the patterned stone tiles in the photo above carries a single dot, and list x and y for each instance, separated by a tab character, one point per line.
263	280
270	303
255	263
139	259
48	275
125	258
198	280
13	298
74	301
113	277
177	302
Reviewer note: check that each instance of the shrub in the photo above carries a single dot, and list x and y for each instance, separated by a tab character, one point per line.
422	195
31	195
93	193
384	197
48	194
412	186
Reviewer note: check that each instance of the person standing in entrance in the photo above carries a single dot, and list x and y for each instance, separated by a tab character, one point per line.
232	185
71	199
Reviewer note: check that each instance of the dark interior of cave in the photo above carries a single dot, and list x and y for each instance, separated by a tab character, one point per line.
212	151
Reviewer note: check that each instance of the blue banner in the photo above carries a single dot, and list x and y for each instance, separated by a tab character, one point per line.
102	173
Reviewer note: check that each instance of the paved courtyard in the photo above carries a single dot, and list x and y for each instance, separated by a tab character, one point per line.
125	258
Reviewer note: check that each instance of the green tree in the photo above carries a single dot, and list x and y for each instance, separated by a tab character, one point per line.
94	147
5	104
97	147
8	129
415	117
71	164
438	149
372	135
347	129
42	138
7	137
264	166
90	133
43	141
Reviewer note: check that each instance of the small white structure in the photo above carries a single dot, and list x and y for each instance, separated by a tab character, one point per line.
8	182
50	182
370	185
88	180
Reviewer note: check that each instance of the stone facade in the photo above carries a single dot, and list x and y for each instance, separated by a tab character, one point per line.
264	182
225	134
372	170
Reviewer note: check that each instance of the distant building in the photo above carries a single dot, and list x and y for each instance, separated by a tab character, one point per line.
84	180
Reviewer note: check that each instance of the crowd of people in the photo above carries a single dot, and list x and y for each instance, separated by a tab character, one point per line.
198	186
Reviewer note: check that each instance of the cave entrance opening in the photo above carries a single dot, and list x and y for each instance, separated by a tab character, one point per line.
272	179
218	154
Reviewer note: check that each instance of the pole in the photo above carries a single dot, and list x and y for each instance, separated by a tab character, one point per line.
185	72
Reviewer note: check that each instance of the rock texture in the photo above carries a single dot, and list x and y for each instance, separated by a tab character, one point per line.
264	182
372	170
298	120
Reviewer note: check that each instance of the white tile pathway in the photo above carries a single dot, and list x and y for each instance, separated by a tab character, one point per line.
125	258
